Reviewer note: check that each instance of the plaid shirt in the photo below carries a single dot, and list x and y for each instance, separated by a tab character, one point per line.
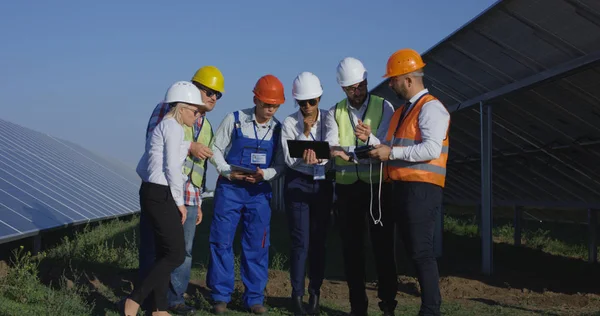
191	194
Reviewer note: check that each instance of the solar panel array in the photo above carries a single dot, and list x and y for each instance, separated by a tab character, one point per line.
546	135
47	183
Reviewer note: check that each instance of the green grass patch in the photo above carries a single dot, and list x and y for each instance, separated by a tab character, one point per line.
59	280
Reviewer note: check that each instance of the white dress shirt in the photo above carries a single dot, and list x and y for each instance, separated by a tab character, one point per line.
433	123
162	161
293	129
332	128
222	142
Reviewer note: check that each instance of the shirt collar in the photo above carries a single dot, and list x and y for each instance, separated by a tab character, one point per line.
417	96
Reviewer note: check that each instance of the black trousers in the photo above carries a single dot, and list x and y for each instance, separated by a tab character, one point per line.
416	205
354	213
308	205
158	206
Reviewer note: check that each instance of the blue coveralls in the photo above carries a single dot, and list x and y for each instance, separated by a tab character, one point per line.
235	199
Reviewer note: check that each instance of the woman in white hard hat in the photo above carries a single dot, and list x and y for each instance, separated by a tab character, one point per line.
161	195
308	192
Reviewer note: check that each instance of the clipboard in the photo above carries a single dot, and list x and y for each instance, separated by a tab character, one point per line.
296	148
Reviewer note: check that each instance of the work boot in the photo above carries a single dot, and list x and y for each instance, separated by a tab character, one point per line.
258	309
182	309
313	305
219	308
298	306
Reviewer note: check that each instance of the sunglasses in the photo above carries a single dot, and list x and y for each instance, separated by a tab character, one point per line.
210	92
312	102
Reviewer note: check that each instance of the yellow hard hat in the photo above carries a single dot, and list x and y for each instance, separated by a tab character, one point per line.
211	77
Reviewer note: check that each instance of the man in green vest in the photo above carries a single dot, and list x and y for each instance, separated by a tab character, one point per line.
210	81
358	186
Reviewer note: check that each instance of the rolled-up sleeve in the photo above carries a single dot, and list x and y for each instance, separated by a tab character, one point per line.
220	144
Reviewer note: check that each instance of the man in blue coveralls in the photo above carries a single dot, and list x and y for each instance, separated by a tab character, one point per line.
246	155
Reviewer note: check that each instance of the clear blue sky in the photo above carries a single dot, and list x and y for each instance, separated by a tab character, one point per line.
92	71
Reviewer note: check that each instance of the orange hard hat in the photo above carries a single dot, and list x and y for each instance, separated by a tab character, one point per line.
269	90
403	61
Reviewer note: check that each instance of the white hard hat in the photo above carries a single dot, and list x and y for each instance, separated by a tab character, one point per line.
184	91
306	86
350	71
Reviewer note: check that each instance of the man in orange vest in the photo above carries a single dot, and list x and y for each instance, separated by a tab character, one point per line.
416	164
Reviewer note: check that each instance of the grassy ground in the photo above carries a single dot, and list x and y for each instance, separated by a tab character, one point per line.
87	272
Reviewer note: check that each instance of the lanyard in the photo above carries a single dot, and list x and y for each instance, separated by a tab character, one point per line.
352	121
405	113
198	130
362	119
321	126
256	135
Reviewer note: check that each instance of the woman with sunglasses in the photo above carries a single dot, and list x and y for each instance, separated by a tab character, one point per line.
308	193
161	195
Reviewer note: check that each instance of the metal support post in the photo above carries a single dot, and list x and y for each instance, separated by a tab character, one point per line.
518	224
593	235
486	188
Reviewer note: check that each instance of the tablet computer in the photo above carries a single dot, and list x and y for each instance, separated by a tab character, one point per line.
362	152
296	148
243	169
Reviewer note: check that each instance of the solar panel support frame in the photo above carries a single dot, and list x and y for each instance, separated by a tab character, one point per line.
550	74
486	188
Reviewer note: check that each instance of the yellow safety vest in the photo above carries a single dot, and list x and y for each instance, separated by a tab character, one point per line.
194	167
349	172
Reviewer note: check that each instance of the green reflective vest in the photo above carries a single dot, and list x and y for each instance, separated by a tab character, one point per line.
194	167
349	172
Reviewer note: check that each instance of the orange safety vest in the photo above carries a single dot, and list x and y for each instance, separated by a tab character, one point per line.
407	133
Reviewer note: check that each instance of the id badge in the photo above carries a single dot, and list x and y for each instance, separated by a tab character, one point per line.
318	172
258	159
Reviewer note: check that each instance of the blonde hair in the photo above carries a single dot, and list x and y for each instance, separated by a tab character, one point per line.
175	112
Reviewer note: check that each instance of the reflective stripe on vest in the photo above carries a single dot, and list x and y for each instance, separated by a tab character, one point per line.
409	134
194	167
403	142
349	172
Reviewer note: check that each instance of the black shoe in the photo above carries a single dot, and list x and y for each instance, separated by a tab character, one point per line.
313	305
182	309
388	307
298	306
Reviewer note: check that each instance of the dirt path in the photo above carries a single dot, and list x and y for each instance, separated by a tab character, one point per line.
454	289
